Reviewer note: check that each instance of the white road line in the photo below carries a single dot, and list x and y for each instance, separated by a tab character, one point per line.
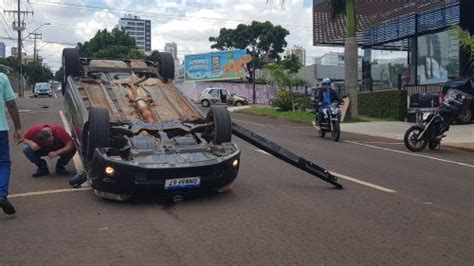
411	154
77	161
262	151
263	125
364	183
352	179
380	142
46	192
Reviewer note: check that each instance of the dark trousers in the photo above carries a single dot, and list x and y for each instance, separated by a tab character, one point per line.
5	164
35	157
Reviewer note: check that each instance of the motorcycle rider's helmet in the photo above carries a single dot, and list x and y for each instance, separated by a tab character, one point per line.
326	81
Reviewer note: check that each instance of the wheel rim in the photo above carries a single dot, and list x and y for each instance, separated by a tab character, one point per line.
412	136
238	104
465	116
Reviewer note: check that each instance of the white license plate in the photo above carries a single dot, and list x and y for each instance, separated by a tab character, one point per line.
180	183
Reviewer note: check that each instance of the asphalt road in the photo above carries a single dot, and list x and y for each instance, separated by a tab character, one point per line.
396	208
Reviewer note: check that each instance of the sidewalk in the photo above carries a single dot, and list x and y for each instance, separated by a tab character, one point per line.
458	136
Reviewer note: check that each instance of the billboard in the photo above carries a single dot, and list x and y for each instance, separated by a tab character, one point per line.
224	65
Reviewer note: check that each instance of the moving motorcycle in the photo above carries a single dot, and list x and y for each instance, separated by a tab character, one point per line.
331	121
433	128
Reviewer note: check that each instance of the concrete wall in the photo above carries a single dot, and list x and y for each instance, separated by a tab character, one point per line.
264	93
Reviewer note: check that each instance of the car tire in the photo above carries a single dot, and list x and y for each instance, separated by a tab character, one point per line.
222	129
98	130
71	64
239	103
465	117
205	103
166	66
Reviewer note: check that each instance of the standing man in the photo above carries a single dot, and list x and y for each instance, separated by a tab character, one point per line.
7	96
48	140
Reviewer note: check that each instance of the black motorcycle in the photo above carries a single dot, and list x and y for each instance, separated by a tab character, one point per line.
435	125
331	121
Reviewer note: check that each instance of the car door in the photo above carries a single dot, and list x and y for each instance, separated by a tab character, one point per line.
215	96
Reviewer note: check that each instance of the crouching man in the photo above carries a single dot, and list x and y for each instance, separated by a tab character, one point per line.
48	140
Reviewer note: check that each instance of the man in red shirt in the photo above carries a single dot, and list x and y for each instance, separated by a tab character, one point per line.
48	140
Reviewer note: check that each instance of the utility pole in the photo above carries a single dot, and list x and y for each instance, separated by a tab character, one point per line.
36	36
19	25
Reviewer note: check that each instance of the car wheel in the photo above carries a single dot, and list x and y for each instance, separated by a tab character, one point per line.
238	103
166	66
205	103
465	117
71	64
98	132
222	129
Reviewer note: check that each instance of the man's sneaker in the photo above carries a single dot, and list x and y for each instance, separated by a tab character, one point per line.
7	206
41	172
60	170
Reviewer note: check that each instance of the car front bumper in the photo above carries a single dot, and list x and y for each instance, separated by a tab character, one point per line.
141	180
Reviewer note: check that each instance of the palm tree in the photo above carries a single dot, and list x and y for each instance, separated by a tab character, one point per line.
347	8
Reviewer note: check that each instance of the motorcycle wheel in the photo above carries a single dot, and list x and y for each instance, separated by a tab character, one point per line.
433	145
410	139
336	133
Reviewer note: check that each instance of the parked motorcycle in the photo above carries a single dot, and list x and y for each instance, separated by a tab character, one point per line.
331	121
434	127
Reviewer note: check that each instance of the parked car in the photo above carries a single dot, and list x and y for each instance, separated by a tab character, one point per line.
220	96
465	85
137	134
43	88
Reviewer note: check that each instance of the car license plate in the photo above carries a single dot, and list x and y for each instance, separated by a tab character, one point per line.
181	183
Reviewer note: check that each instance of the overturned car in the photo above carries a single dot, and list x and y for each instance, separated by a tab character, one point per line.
137	134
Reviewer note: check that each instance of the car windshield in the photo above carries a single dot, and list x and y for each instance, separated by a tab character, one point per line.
43	86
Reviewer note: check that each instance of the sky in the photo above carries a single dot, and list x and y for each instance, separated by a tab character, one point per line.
189	23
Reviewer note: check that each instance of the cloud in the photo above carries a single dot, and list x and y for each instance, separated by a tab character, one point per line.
189	23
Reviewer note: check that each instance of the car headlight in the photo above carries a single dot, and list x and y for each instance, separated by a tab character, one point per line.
109	170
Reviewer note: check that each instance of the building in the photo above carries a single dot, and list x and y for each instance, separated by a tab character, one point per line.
138	29
299	52
14	51
422	29
172	48
2	50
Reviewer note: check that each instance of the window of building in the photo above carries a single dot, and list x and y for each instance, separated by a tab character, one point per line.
438	57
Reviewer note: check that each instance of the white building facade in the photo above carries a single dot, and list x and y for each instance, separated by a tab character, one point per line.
138	29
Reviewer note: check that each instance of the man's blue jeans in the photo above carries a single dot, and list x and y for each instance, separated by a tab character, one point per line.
5	164
35	157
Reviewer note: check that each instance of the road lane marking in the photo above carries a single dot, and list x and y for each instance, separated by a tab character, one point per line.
410	154
262	151
380	142
263	125
77	161
46	192
364	183
352	179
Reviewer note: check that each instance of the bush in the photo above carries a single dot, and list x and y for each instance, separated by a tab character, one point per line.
391	104
303	103
283	101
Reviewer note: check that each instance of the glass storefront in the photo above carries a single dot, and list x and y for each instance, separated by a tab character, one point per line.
438	57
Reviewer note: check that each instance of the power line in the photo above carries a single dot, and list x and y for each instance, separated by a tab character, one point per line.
156	15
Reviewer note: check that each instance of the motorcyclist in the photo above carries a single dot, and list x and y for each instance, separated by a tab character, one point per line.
324	96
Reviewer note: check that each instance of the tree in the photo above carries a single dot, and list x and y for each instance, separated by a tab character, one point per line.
37	73
466	42
58	76
291	63
346	8
116	44
263	41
